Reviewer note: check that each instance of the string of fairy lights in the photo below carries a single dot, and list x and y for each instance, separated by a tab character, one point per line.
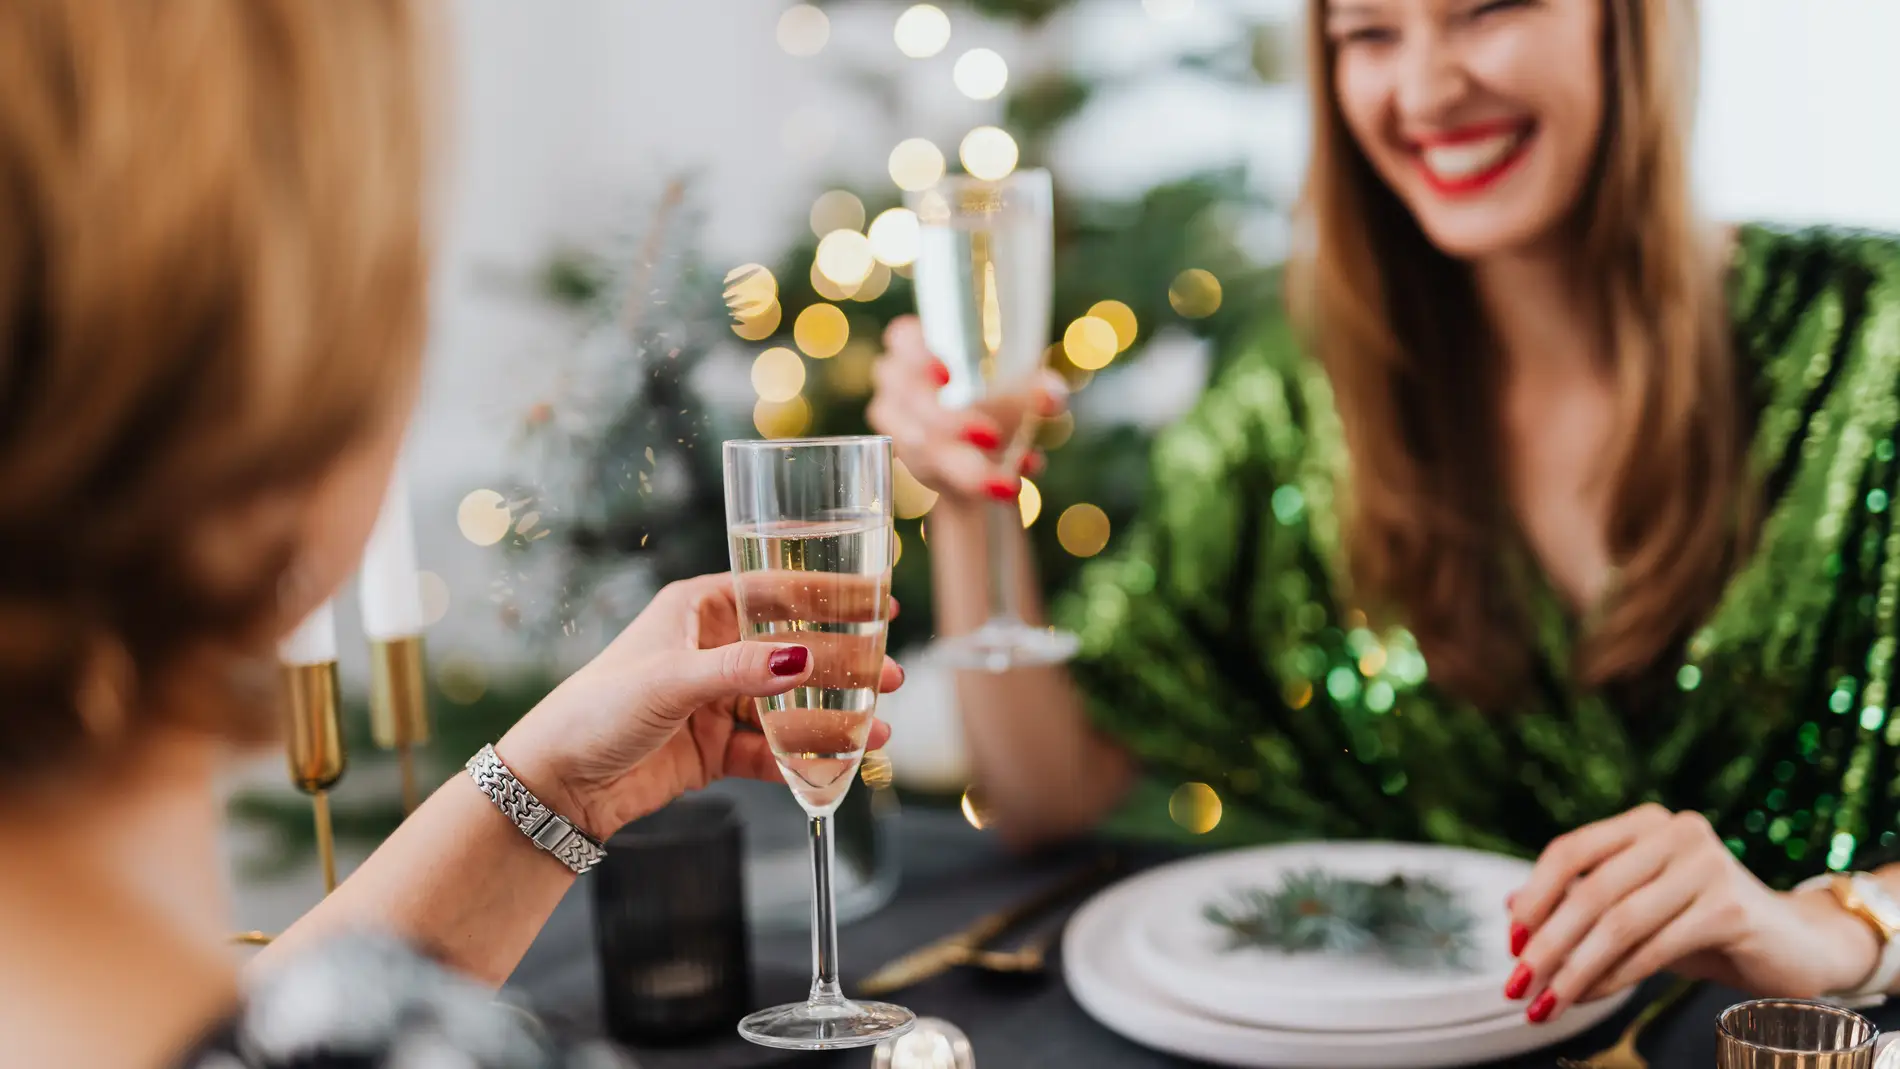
856	259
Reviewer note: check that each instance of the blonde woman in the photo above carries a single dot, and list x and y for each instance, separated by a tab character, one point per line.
212	276
1565	528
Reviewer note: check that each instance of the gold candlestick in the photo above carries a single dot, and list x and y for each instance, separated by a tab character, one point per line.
399	706
316	748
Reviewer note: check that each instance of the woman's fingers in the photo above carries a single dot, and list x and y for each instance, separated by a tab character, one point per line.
1588	904
687	680
1622	937
880	734
1570	856
892	678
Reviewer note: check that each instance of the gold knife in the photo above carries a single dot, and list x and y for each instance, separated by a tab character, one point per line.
962	947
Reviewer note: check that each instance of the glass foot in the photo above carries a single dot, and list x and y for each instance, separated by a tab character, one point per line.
827	1025
1001	645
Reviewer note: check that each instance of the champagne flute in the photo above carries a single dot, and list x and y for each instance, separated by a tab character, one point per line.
809	520
985	258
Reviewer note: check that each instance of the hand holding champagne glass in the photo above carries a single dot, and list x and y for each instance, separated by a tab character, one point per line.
983	277
811	537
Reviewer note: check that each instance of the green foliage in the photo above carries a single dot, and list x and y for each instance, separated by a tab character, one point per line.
1415	922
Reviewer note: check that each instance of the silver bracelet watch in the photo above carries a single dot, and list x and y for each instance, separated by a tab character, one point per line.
547	829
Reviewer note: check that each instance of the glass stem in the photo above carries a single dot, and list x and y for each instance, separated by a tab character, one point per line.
1001	525
824	917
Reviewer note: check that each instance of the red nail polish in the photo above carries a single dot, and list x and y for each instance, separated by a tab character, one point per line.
789	661
1519	982
1541	1008
939	373
981	437
1519	936
1001	490
1032	464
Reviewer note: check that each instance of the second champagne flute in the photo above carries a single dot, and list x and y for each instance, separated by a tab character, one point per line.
985	259
812	543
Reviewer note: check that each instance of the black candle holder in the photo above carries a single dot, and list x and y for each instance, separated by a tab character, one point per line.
670	925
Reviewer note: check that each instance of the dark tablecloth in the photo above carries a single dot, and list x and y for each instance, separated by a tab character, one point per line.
952	874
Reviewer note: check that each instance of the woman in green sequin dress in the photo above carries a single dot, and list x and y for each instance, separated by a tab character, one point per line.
1564	528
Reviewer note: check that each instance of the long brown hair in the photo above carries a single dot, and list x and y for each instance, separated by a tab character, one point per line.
1398	326
212	274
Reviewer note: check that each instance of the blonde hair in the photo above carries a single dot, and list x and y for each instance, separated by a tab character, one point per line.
1398	326
212	274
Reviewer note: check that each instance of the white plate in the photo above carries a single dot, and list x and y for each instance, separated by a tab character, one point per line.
1097	966
1189	957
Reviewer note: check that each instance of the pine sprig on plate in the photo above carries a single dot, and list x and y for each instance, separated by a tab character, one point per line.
1415	922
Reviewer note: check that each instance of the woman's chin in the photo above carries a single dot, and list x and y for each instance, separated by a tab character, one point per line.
1480	235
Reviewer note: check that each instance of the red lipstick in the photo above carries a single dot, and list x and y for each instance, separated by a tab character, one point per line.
1478	182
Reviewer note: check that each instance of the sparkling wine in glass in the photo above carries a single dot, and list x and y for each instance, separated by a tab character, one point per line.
810	527
985	261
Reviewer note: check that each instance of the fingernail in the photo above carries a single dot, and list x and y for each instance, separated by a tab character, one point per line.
1519	936
1049	405
901	676
1541	1007
789	661
939	373
1032	464
1001	489
1519	982
1510	900
982	437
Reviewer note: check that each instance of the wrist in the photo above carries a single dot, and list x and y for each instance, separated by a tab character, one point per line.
1849	949
542	770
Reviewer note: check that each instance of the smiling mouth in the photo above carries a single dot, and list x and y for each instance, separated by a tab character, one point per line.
1473	159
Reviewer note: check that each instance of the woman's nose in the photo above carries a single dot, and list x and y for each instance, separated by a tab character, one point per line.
1431	79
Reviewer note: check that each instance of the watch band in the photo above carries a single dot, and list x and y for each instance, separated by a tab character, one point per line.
547	829
1861	895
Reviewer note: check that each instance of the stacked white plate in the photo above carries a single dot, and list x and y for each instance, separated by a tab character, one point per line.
1144	961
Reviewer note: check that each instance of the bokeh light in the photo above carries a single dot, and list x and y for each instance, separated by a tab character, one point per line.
1089	343
483	517
876	770
988	153
1030	501
893	236
844	257
1195	293
777	375
1055	433
821	330
1195	807
750	289
435	597
837	209
897	547
803	30
1082	529
761	326
782	419
980	74
1121	317
909	498
916	164
829	290
973	810
461	679
1168	10
922	31
874	284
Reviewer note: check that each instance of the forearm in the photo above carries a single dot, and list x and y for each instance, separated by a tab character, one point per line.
457	879
1044	770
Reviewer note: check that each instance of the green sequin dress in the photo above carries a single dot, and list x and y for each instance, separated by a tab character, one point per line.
1215	650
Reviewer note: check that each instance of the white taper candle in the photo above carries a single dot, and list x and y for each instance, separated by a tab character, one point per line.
390	584
314	640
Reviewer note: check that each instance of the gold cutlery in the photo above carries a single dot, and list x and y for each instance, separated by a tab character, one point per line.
966	947
1622	1054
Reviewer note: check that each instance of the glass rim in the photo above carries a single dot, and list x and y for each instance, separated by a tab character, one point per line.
812	440
1722	1024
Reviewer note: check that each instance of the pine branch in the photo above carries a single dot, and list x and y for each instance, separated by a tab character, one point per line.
1412	921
